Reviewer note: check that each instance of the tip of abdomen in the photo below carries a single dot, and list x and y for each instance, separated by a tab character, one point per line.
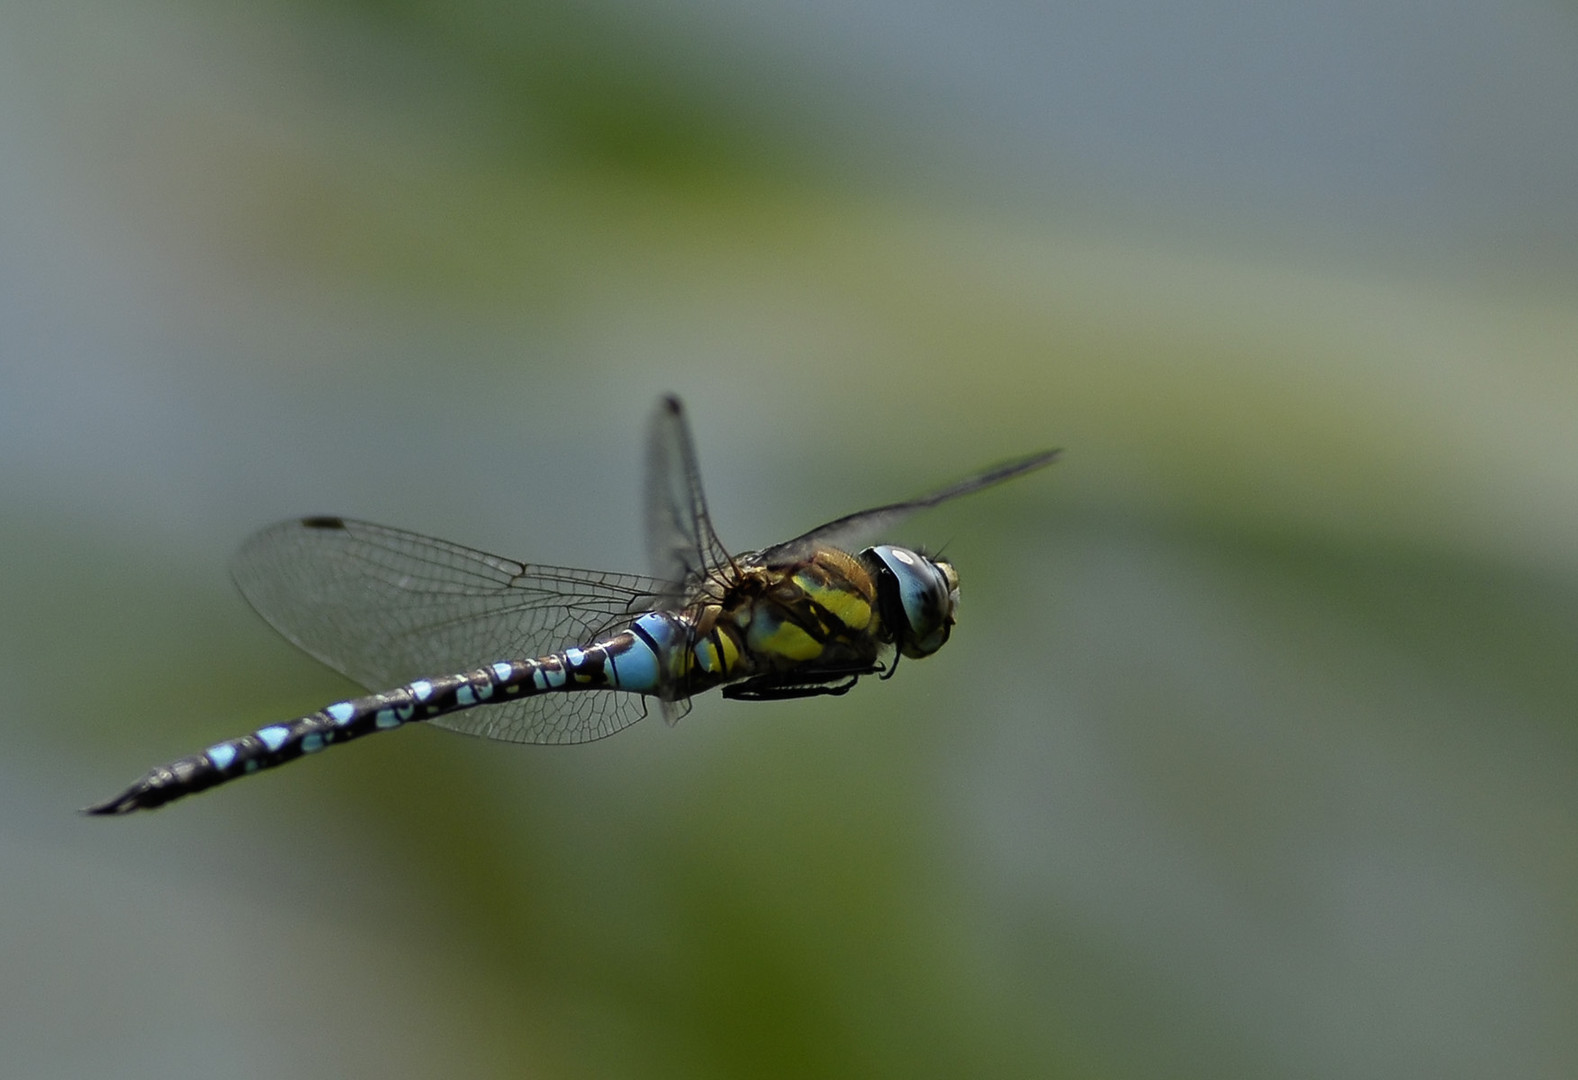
124	803
153	790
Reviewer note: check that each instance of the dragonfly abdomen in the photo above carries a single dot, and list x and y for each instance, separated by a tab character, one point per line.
636	660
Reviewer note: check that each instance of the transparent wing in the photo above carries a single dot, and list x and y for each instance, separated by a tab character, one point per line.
681	545
581	717
385	606
854	530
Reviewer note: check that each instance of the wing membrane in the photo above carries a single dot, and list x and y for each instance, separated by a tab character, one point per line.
584	716
682	547
854	530
385	606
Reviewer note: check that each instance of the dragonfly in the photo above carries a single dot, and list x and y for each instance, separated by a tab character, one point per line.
528	653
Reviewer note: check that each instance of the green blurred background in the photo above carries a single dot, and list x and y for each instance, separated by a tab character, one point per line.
1253	755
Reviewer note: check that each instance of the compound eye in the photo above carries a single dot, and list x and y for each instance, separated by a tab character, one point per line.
918	597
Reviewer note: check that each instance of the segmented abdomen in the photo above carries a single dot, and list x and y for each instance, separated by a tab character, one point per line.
642	659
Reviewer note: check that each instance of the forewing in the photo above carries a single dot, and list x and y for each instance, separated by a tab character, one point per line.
853	530
385	606
682	547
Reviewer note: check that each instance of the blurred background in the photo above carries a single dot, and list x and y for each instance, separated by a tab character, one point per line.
1253	754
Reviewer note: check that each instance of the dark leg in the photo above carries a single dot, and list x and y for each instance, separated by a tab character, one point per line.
797	685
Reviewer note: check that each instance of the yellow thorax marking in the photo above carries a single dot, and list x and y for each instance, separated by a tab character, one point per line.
717	653
785	639
730	650
845	605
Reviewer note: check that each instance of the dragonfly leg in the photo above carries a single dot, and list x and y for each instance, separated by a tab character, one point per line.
798	685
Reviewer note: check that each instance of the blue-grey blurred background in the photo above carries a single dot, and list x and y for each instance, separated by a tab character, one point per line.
1254	752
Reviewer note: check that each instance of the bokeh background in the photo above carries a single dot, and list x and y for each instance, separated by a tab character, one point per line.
1254	753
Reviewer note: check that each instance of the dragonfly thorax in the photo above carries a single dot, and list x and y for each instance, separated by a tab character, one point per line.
818	611
917	597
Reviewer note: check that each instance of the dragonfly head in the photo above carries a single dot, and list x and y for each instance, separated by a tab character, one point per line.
916	596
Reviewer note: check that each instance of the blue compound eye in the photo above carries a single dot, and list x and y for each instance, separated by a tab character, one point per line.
916	595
